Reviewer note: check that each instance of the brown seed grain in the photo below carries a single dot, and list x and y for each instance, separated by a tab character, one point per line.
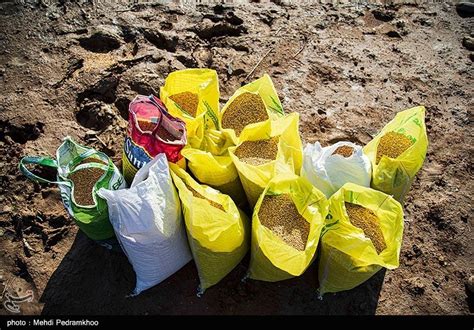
84	181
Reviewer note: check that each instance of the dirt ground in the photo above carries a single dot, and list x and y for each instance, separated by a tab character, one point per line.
70	68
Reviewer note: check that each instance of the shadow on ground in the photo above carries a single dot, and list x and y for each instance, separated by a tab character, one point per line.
92	280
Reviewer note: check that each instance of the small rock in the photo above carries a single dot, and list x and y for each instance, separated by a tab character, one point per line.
415	286
468	43
7	209
465	9
442	261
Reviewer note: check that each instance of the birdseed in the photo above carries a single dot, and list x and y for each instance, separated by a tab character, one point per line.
258	152
344	151
368	221
187	101
279	214
392	145
198	195
245	109
84	181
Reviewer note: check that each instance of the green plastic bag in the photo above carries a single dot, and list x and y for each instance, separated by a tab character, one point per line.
395	176
218	237
93	220
271	258
289	157
347	257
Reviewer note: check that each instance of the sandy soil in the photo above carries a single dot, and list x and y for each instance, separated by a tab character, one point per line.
70	68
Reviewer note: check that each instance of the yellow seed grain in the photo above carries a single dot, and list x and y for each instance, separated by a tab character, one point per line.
368	221
258	152
392	145
245	109
198	195
344	151
279	214
187	101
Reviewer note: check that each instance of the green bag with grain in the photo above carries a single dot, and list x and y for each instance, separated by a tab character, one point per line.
286	226
81	172
193	95
264	151
218	231
363	233
397	153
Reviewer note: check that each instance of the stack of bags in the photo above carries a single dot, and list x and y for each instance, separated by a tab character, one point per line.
240	179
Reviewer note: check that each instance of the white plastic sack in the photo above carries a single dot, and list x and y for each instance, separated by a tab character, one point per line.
148	223
329	172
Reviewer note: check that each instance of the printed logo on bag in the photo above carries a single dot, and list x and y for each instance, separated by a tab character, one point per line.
135	154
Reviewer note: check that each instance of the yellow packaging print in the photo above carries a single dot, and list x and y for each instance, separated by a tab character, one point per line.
254	179
395	176
347	257
218	237
271	258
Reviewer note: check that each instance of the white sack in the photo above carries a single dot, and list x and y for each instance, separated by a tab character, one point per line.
329	172
148	223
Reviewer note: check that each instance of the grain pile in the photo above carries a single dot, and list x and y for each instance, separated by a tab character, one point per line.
186	101
392	145
279	214
366	220
84	181
198	195
245	109
258	152
344	151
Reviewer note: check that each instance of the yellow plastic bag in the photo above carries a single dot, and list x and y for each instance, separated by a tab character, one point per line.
271	258
348	258
219	239
204	83
212	165
254	179
263	87
395	176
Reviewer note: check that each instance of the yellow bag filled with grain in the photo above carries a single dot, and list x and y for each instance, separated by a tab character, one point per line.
265	150
250	106
397	153
218	232
193	96
363	233
212	165
286	226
